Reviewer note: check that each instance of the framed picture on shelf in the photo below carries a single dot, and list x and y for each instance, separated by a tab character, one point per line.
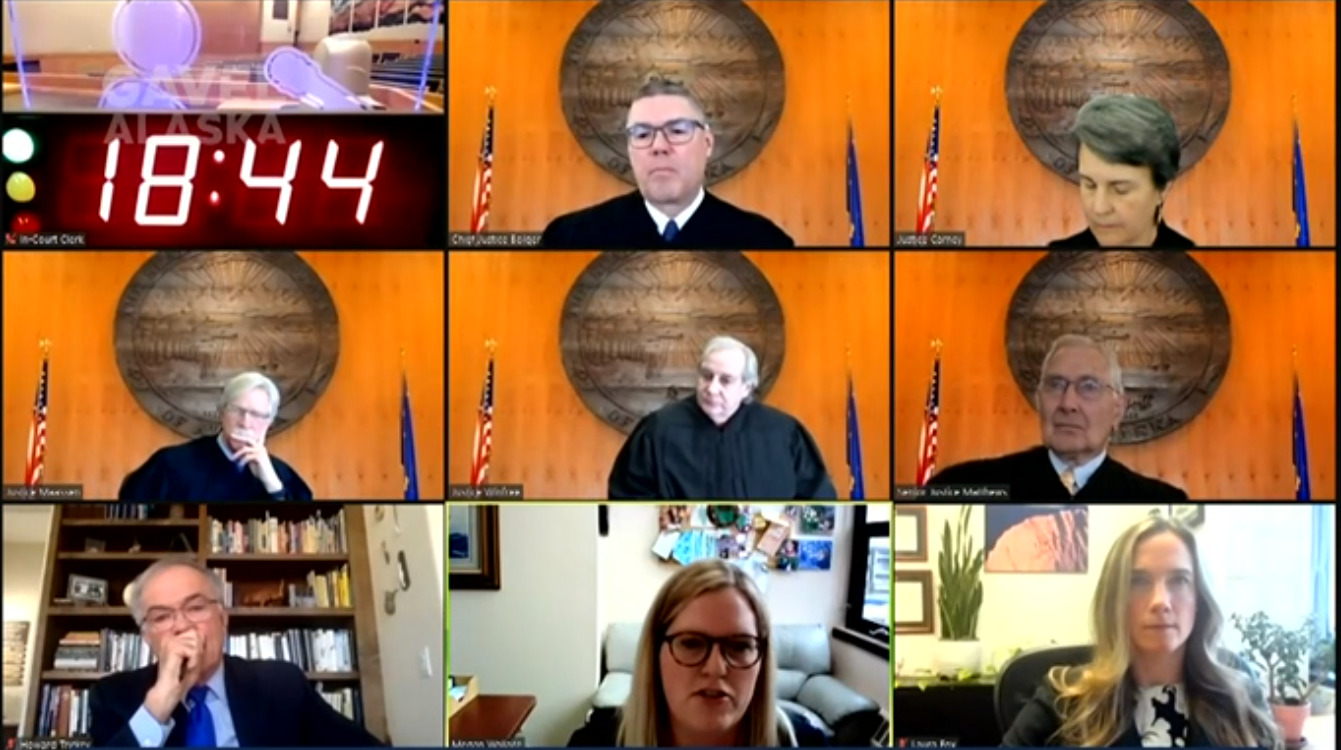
85	590
472	560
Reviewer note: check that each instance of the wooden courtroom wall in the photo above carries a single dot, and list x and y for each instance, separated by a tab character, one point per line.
547	439
993	188
347	447
1238	447
829	48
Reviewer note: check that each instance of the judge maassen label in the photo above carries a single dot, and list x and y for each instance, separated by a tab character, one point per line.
635	324
189	322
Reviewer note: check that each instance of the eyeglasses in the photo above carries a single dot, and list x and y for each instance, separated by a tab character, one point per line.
1088	389
678	132
692	649
239	411
197	609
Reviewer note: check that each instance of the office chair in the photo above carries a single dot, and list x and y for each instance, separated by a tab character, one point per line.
1024	672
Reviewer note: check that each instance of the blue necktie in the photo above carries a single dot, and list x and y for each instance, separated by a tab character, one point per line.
669	233
200	722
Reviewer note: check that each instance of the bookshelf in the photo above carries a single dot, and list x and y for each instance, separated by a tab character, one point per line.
262	586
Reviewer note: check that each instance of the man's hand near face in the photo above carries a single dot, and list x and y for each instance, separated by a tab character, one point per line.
178	670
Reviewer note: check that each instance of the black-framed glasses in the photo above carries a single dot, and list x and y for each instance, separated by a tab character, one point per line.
690	649
1087	388
196	609
678	132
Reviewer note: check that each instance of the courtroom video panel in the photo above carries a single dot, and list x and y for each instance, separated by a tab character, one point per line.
228	375
754	625
1122	124
224	625
1115	375
661	125
1130	612
192	124
668	375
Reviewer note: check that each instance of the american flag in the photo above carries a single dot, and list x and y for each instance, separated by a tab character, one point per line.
931	419
484	177
37	433
484	430
926	191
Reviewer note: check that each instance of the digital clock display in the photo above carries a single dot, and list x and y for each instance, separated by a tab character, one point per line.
239	180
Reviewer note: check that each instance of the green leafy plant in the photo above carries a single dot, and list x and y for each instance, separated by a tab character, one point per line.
1283	655
960	596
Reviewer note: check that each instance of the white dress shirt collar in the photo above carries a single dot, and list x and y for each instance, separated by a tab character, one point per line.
680	219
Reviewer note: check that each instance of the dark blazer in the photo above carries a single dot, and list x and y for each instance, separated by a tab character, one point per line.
1165	239
272	703
623	224
1031	477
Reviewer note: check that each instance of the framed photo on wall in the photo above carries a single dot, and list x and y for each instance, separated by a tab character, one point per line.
910	533
472	542
914	610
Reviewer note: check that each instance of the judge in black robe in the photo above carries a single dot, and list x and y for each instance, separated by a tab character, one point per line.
231	465
718	445
669	143
1080	403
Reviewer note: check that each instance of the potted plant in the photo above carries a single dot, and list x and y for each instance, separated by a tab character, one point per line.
959	599
1294	663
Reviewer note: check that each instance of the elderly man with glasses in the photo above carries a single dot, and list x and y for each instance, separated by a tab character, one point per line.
669	143
1080	404
232	465
195	695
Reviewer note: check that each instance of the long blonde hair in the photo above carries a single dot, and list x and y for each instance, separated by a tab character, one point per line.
1097	700
645	720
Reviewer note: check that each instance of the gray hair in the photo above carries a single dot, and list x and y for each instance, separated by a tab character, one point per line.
666	87
246	382
751	374
137	587
1132	130
1076	341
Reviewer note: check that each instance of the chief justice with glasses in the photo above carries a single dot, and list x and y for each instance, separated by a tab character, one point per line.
1080	403
231	465
196	695
669	143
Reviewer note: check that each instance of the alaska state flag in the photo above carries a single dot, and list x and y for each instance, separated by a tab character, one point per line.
1301	488
407	461
856	234
1300	195
858	488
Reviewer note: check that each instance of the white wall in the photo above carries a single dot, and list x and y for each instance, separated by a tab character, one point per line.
537	635
24	572
64	27
410	641
312	19
630	576
1255	556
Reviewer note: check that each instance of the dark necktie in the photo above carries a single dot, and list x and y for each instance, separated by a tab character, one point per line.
670	232
200	722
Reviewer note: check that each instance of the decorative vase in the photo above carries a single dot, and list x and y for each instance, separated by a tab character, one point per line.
1290	719
954	656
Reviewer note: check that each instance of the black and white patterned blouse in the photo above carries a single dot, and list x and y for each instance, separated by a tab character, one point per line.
1161	716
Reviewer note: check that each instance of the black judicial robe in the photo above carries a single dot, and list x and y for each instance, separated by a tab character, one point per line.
1031	477
623	224
199	470
678	453
1165	239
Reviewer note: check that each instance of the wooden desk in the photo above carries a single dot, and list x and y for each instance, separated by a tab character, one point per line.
491	717
1320	732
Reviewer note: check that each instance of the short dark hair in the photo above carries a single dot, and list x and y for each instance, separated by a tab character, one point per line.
1132	130
657	86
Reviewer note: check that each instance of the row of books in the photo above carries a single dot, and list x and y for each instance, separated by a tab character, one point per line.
126	511
101	651
322	590
65	709
312	650
268	535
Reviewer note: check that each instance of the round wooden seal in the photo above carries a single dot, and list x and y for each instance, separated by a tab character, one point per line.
634	326
719	49
190	321
1159	311
1070	51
